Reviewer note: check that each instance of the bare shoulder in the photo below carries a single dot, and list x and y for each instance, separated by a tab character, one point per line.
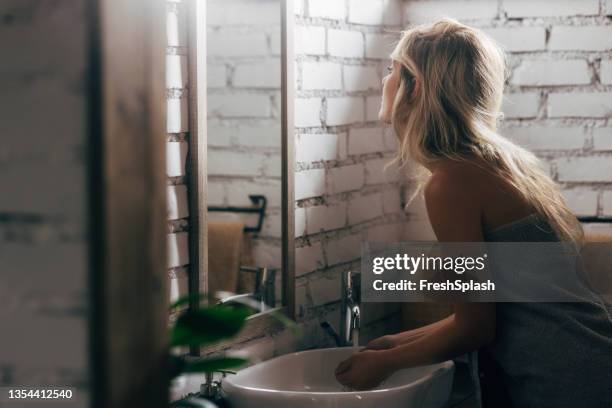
455	180
453	203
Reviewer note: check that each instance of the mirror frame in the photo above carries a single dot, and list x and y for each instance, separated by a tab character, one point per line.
259	323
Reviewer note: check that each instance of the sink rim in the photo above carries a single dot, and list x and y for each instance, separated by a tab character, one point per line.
444	367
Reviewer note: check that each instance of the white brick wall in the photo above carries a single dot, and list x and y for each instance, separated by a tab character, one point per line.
552	8
583	38
580	104
558	100
343	43
321	75
551	72
606	72
344	110
341	47
519	38
521	105
243	102
585	169
429	10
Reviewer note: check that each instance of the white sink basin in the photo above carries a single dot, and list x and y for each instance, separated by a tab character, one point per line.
306	379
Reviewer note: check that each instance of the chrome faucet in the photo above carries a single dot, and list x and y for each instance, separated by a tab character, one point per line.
350	313
351	308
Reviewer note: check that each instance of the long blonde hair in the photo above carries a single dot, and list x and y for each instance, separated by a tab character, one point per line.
452	113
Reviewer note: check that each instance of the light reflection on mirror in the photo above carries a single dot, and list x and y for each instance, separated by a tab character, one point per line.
244	149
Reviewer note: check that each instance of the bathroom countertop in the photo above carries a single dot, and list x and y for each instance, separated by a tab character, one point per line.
462	393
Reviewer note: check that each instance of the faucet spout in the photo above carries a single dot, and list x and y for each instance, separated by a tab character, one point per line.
351	309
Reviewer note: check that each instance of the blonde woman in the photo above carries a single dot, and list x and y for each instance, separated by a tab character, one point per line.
443	95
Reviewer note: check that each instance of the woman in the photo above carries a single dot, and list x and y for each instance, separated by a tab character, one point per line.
442	95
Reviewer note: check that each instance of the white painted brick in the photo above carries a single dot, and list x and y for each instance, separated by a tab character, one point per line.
587	38
260	135
581	201
272	225
365	140
236	44
365	208
321	75
392	203
216	76
332	9
229	163
176	28
176	71
300	222
177	207
385	233
298	7
308	258
372	108
558	72
344	110
215	192
178	249
219	136
606	72
606	202
343	43
379	46
318	147
325	289
360	78
390	139
547	138
309	40
176	158
519	38
343	250
238	192
325	218
521	105
583	104
307	112
375	12
238	105
258	74
378	172
309	183
267	253
177	119
419	230
602	139
585	169
346	178
553	8
226	13
178	285
275	42
430	10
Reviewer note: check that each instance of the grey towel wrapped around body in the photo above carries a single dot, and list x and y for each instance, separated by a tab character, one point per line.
545	354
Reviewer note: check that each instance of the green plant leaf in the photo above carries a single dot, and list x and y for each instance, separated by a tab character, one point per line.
207	325
214	364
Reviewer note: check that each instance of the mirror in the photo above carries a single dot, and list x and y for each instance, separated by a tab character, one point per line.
248	199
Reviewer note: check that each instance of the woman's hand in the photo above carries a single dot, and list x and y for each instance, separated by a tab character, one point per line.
382	343
364	370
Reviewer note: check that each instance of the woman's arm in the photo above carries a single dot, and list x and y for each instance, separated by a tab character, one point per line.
408	336
455	216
